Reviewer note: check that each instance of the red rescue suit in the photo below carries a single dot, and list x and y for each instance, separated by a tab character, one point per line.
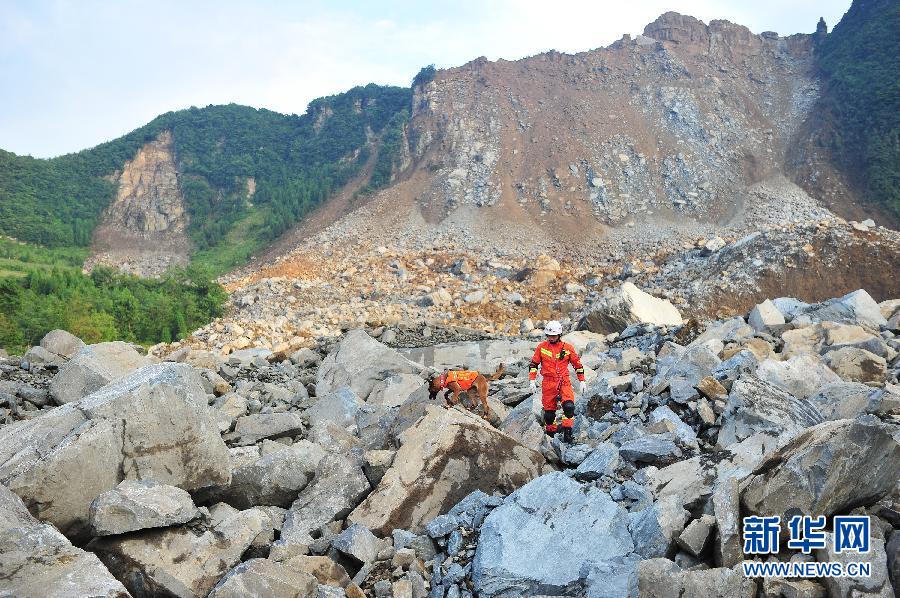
553	359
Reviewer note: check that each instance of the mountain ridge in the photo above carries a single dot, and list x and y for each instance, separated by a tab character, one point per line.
669	129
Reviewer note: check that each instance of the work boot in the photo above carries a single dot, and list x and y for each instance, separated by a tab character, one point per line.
568	435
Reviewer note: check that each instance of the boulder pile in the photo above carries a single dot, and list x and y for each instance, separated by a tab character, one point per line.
326	470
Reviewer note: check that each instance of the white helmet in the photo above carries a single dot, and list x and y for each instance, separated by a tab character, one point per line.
553	327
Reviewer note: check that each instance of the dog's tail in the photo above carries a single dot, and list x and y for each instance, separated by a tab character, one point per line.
496	375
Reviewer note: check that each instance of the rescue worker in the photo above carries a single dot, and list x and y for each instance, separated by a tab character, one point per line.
553	357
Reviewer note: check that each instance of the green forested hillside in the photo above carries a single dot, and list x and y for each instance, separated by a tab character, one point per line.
42	289
860	59
296	162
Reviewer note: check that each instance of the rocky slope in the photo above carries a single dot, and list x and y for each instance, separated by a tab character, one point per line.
144	229
673	130
327	471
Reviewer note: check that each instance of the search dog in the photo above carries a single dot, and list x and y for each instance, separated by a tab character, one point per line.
455	382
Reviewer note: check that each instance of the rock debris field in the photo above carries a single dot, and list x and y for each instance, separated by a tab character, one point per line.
326	471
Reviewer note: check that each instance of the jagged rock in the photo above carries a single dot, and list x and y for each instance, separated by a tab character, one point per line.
892	548
695	536
324	569
339	407
358	542
649	448
683	432
755	406
727	511
376	463
250	429
857	365
265	579
274	479
333	439
795	588
443	457
629	305
40	356
179	561
659	578
153	424
574	454
857	308
92	368
656	528
527	545
712	389
37	560
828	469
765	316
876	584
717	583
525	429
135	505
338	486
801	376
687	366
362	364
839	336
603	460
846	400
396	390
305	358
62	343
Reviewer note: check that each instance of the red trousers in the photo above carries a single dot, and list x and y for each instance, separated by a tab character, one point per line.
552	392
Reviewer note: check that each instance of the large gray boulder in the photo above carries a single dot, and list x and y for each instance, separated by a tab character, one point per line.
655	529
858	365
92	368
339	407
828	469
250	429
758	407
339	484
684	368
533	544
140	504
661	578
362	364
765	316
62	343
180	561
801	376
857	308
445	456
628	305
846	400
358	542
263	578
40	356
602	461
37	560
876	584
153	424
274	479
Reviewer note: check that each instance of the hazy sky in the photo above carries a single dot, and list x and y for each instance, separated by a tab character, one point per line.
74	73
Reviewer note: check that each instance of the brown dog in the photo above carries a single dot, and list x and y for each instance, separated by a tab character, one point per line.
458	381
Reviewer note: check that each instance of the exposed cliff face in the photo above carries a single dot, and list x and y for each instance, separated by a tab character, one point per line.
149	200
143	230
678	122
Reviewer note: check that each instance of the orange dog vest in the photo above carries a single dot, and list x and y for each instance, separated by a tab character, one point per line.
465	378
